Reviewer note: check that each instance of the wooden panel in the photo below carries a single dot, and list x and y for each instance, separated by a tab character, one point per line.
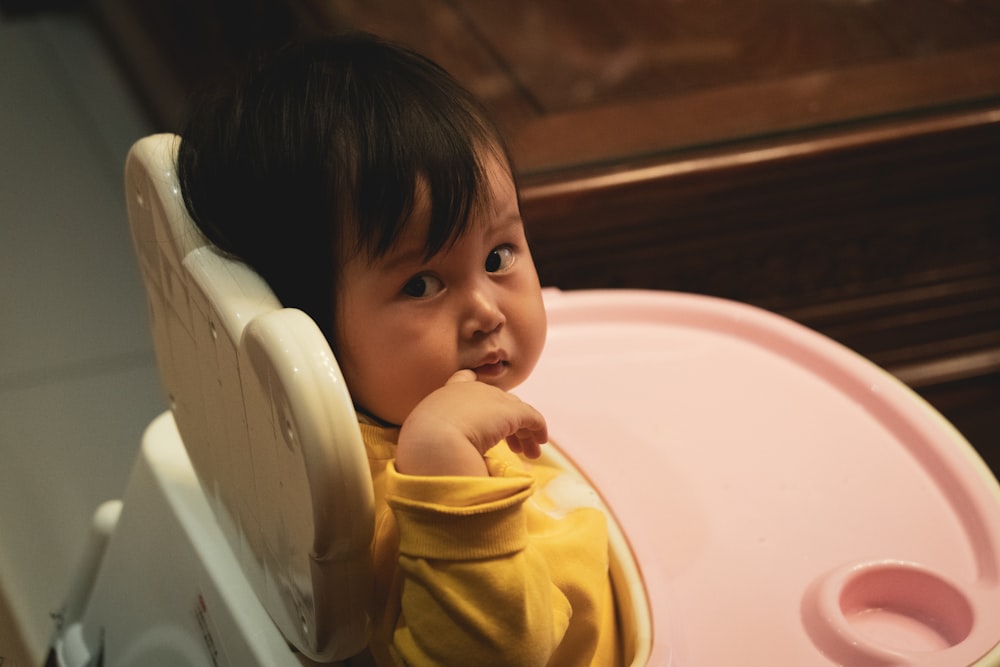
596	82
588	52
870	238
824	100
886	239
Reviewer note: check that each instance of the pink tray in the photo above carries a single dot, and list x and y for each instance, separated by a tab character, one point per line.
786	501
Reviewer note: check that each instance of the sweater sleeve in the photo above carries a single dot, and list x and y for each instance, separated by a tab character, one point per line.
476	590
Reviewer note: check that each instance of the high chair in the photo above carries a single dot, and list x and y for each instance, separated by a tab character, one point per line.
774	499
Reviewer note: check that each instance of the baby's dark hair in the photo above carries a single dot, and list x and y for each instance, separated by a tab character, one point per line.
316	156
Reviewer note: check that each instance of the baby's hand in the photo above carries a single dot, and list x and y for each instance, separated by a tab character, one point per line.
450	430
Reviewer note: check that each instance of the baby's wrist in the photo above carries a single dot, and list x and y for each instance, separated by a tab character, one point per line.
438	454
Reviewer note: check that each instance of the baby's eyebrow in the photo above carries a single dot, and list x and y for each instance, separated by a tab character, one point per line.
507	220
399	259
413	255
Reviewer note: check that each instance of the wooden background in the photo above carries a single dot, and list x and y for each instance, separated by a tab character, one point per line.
837	161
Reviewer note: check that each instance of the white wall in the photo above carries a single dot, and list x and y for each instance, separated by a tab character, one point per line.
77	378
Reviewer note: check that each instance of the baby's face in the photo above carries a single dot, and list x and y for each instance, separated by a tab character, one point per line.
405	325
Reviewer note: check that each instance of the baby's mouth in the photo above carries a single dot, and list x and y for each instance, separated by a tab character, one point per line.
491	370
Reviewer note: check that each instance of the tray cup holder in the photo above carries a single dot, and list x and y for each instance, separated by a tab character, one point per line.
906	608
876	613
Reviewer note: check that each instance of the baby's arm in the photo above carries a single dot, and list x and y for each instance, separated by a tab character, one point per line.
450	430
476	589
475	592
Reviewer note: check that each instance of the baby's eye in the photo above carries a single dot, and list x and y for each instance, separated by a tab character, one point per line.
500	258
422	286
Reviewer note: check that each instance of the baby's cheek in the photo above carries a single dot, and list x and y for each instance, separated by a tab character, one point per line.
412	390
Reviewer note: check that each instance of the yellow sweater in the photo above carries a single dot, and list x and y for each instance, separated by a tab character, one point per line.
487	570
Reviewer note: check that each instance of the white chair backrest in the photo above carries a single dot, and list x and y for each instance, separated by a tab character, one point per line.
264	414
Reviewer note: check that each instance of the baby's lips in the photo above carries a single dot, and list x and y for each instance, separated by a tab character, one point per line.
490	370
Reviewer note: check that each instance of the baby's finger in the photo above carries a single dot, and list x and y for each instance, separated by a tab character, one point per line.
464	375
529	440
529	447
533	428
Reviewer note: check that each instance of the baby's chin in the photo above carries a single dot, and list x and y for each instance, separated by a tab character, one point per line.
508	382
386	413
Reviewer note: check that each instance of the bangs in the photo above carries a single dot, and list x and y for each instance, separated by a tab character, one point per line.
421	132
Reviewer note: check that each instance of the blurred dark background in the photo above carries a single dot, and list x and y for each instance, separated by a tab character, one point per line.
835	161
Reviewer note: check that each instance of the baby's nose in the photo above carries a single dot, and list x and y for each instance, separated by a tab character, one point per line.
484	315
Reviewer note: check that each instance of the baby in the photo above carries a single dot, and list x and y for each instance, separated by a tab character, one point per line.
370	190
